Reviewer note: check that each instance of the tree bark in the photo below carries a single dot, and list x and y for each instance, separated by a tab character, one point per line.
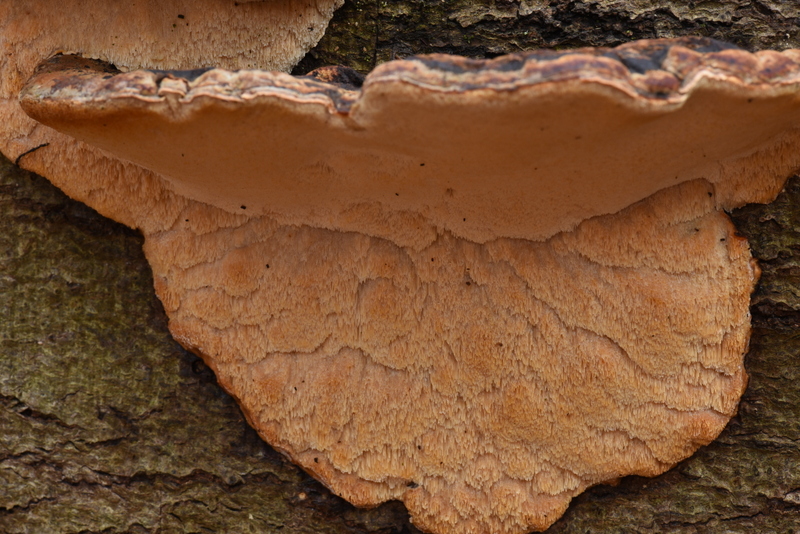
107	425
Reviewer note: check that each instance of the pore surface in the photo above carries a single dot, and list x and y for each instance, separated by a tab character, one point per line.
484	385
483	374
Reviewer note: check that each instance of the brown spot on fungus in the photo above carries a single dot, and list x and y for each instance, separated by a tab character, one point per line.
606	326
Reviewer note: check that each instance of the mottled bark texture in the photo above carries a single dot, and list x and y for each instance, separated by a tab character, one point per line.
364	33
107	425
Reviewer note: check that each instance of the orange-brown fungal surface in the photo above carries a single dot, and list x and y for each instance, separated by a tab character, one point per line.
152	34
522	146
478	287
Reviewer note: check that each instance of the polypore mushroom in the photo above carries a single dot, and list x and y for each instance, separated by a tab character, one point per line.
476	286
156	34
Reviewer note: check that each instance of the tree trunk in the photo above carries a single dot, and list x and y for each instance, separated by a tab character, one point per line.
107	425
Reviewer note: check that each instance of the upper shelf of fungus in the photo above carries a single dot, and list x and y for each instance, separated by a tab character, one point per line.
521	146
478	287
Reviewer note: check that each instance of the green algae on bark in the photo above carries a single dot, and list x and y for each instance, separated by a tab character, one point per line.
747	480
106	423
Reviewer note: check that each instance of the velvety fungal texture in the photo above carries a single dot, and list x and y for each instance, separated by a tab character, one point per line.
82	450
482	375
155	34
107	424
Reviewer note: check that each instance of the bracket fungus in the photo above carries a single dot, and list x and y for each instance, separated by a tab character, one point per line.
153	34
478	287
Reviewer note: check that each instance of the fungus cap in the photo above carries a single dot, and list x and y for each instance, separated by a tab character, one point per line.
476	286
522	146
154	34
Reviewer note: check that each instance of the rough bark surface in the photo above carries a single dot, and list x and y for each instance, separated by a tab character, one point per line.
365	33
107	425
